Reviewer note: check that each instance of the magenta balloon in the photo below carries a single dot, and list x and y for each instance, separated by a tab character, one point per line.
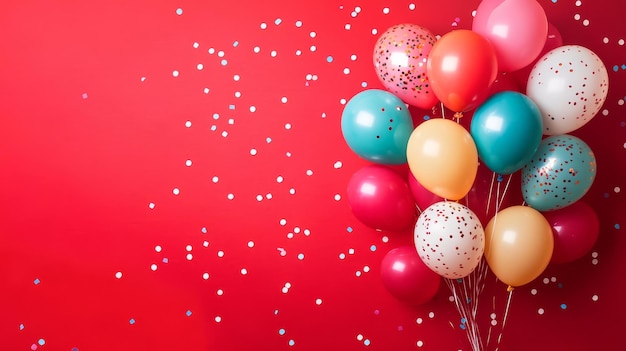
422	196
575	228
407	278
517	30
381	199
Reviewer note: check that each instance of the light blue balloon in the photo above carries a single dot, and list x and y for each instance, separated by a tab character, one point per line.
376	126
507	130
559	174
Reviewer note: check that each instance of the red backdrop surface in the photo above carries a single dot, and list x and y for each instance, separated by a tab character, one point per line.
173	177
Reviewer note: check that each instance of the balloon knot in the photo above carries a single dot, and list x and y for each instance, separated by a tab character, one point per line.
458	115
509	288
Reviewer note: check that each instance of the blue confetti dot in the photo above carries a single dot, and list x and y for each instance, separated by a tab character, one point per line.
617	226
500	178
459	280
41	342
358	273
563	306
235	44
605	195
281	331
426	117
329	59
278	21
615	68
21	326
224	62
179	11
37	281
231	107
463	320
373	248
132	321
74	348
188	313
292	342
366	342
301	256
203	230
554	1
349	229
165	260
462	326
364	84
623	66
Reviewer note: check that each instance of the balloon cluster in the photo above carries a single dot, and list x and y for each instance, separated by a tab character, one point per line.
456	170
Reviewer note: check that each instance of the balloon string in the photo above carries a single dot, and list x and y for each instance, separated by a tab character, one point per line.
466	310
493	179
443	111
506	188
506	314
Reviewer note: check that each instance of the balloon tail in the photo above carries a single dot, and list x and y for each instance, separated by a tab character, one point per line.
458	115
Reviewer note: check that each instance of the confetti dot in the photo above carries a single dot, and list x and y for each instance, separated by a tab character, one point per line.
366	342
420	343
220	253
419	321
151	205
176	191
153	267
205	275
337	197
359	337
250	244
540	311
218	319
131	321
85	96
175	73
620	42
253	152
41	342
594	298
219	292
292	342
188	163
281	331
318	301
118	275
179	11
244	271
37	281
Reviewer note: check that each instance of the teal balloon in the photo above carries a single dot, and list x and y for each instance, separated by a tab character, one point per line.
559	174
507	129
377	125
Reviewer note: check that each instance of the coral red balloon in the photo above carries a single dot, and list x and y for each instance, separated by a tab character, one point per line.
575	228
407	278
462	65
381	199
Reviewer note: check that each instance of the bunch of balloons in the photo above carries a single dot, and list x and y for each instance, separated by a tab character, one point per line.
511	132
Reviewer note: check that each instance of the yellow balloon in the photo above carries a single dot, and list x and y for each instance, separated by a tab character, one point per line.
443	158
518	245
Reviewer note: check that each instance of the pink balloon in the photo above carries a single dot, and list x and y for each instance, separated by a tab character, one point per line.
400	56
575	228
407	278
422	196
517	30
381	199
553	41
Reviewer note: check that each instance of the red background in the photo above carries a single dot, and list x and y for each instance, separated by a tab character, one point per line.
94	142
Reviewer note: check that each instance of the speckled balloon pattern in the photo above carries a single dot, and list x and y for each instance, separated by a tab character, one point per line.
560	173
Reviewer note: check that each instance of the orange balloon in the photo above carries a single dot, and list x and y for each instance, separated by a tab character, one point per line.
443	158
518	245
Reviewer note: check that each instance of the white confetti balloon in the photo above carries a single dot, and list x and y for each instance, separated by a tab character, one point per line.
569	84
449	239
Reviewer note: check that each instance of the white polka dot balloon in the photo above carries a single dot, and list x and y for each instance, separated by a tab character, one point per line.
449	239
569	84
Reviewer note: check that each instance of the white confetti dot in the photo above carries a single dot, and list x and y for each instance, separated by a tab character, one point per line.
313	48
244	271
617	189
231	121
199	67
338	165
205	243
263	25
289	235
253	152
318	301
374	31
143	79
237	94
188	124
256	49
218	319
189	257
586	22
620	42
205	275
224	134
594	298
419	320
188	163
346	70
577	16
268	196
578	3
285	290
540	311
546	280
307	232
309	172
118	275
298	24
347	26
236	77
292	191
175	73
206	90
211	51
337	197
220	253
252	108
594	254
279	179
386	10
176	191
259	197
342	256
342	101
220	53
411	6
533	292
312	34
420	343
359	337
351	251
385	239
494	322
283	99
288	154
605	40
366	269
431	315
179	11
250	244
151	205
605	112
273	53
153	267
188	247
158	248
195	45
215	179
594	261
